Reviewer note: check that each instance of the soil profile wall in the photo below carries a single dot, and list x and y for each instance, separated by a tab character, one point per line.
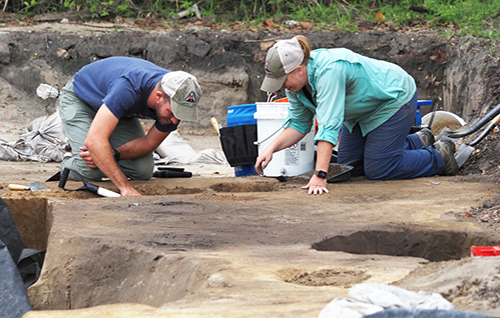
459	74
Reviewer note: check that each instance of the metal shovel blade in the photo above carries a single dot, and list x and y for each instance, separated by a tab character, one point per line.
463	153
55	177
38	186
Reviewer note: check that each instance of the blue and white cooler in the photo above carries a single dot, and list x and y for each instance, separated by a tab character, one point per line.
238	138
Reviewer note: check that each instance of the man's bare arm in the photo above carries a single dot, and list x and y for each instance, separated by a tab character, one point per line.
99	148
141	146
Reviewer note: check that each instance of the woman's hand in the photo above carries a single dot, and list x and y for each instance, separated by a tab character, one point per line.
262	161
316	185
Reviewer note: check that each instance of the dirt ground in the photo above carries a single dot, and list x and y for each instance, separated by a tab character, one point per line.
224	240
251	246
223	246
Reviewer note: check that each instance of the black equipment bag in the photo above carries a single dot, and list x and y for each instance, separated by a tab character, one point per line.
238	144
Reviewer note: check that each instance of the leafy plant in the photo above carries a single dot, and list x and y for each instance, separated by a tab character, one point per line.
474	17
69	4
28	5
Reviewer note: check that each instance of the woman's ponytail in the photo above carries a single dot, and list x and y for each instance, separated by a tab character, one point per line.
306	46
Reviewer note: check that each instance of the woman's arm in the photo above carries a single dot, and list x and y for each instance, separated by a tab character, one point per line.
288	137
317	185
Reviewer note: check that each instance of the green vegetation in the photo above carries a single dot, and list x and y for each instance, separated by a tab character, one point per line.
474	17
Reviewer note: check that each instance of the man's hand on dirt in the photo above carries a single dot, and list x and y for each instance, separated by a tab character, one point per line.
130	192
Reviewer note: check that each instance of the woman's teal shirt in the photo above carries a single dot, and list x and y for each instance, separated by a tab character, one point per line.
348	88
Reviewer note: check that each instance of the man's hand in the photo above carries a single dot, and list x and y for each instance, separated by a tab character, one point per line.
85	154
98	153
316	185
130	192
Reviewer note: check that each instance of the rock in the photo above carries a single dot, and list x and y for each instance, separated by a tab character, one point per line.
209	19
198	48
305	25
4	53
365	24
62	53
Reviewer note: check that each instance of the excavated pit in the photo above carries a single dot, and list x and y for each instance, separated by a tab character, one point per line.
226	245
229	187
33	219
329	277
111	274
434	246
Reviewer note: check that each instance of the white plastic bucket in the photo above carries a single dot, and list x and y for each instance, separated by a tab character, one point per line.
442	120
292	161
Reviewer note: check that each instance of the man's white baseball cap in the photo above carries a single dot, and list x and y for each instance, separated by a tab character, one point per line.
184	93
281	59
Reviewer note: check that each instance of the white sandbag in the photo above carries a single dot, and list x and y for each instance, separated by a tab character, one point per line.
364	299
45	91
176	149
210	156
45	140
50	126
46	137
393	296
7	152
348	308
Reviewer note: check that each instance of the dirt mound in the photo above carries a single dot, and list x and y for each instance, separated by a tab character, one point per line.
476	288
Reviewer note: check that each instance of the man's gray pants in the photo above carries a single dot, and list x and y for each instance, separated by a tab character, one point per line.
77	116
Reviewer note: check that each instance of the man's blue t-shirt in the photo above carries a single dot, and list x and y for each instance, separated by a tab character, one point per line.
123	84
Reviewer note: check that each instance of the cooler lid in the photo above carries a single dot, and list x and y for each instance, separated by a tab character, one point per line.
241	115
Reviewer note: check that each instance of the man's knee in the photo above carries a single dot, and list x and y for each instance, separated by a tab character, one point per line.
92	174
82	168
138	169
143	172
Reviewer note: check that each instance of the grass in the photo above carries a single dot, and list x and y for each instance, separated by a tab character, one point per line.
480	18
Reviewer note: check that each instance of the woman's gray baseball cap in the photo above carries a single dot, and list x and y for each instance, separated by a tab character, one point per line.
184	93
281	59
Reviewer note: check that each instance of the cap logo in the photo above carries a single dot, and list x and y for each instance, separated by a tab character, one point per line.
191	98
267	69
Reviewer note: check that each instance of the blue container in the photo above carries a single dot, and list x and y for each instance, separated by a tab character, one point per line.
419	114
244	171
241	115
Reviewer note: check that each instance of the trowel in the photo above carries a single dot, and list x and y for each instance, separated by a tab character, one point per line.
216	125
33	186
463	153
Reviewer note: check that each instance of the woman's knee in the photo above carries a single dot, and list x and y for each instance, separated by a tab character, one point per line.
373	173
380	169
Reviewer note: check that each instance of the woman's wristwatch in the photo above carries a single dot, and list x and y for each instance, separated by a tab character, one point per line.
321	174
